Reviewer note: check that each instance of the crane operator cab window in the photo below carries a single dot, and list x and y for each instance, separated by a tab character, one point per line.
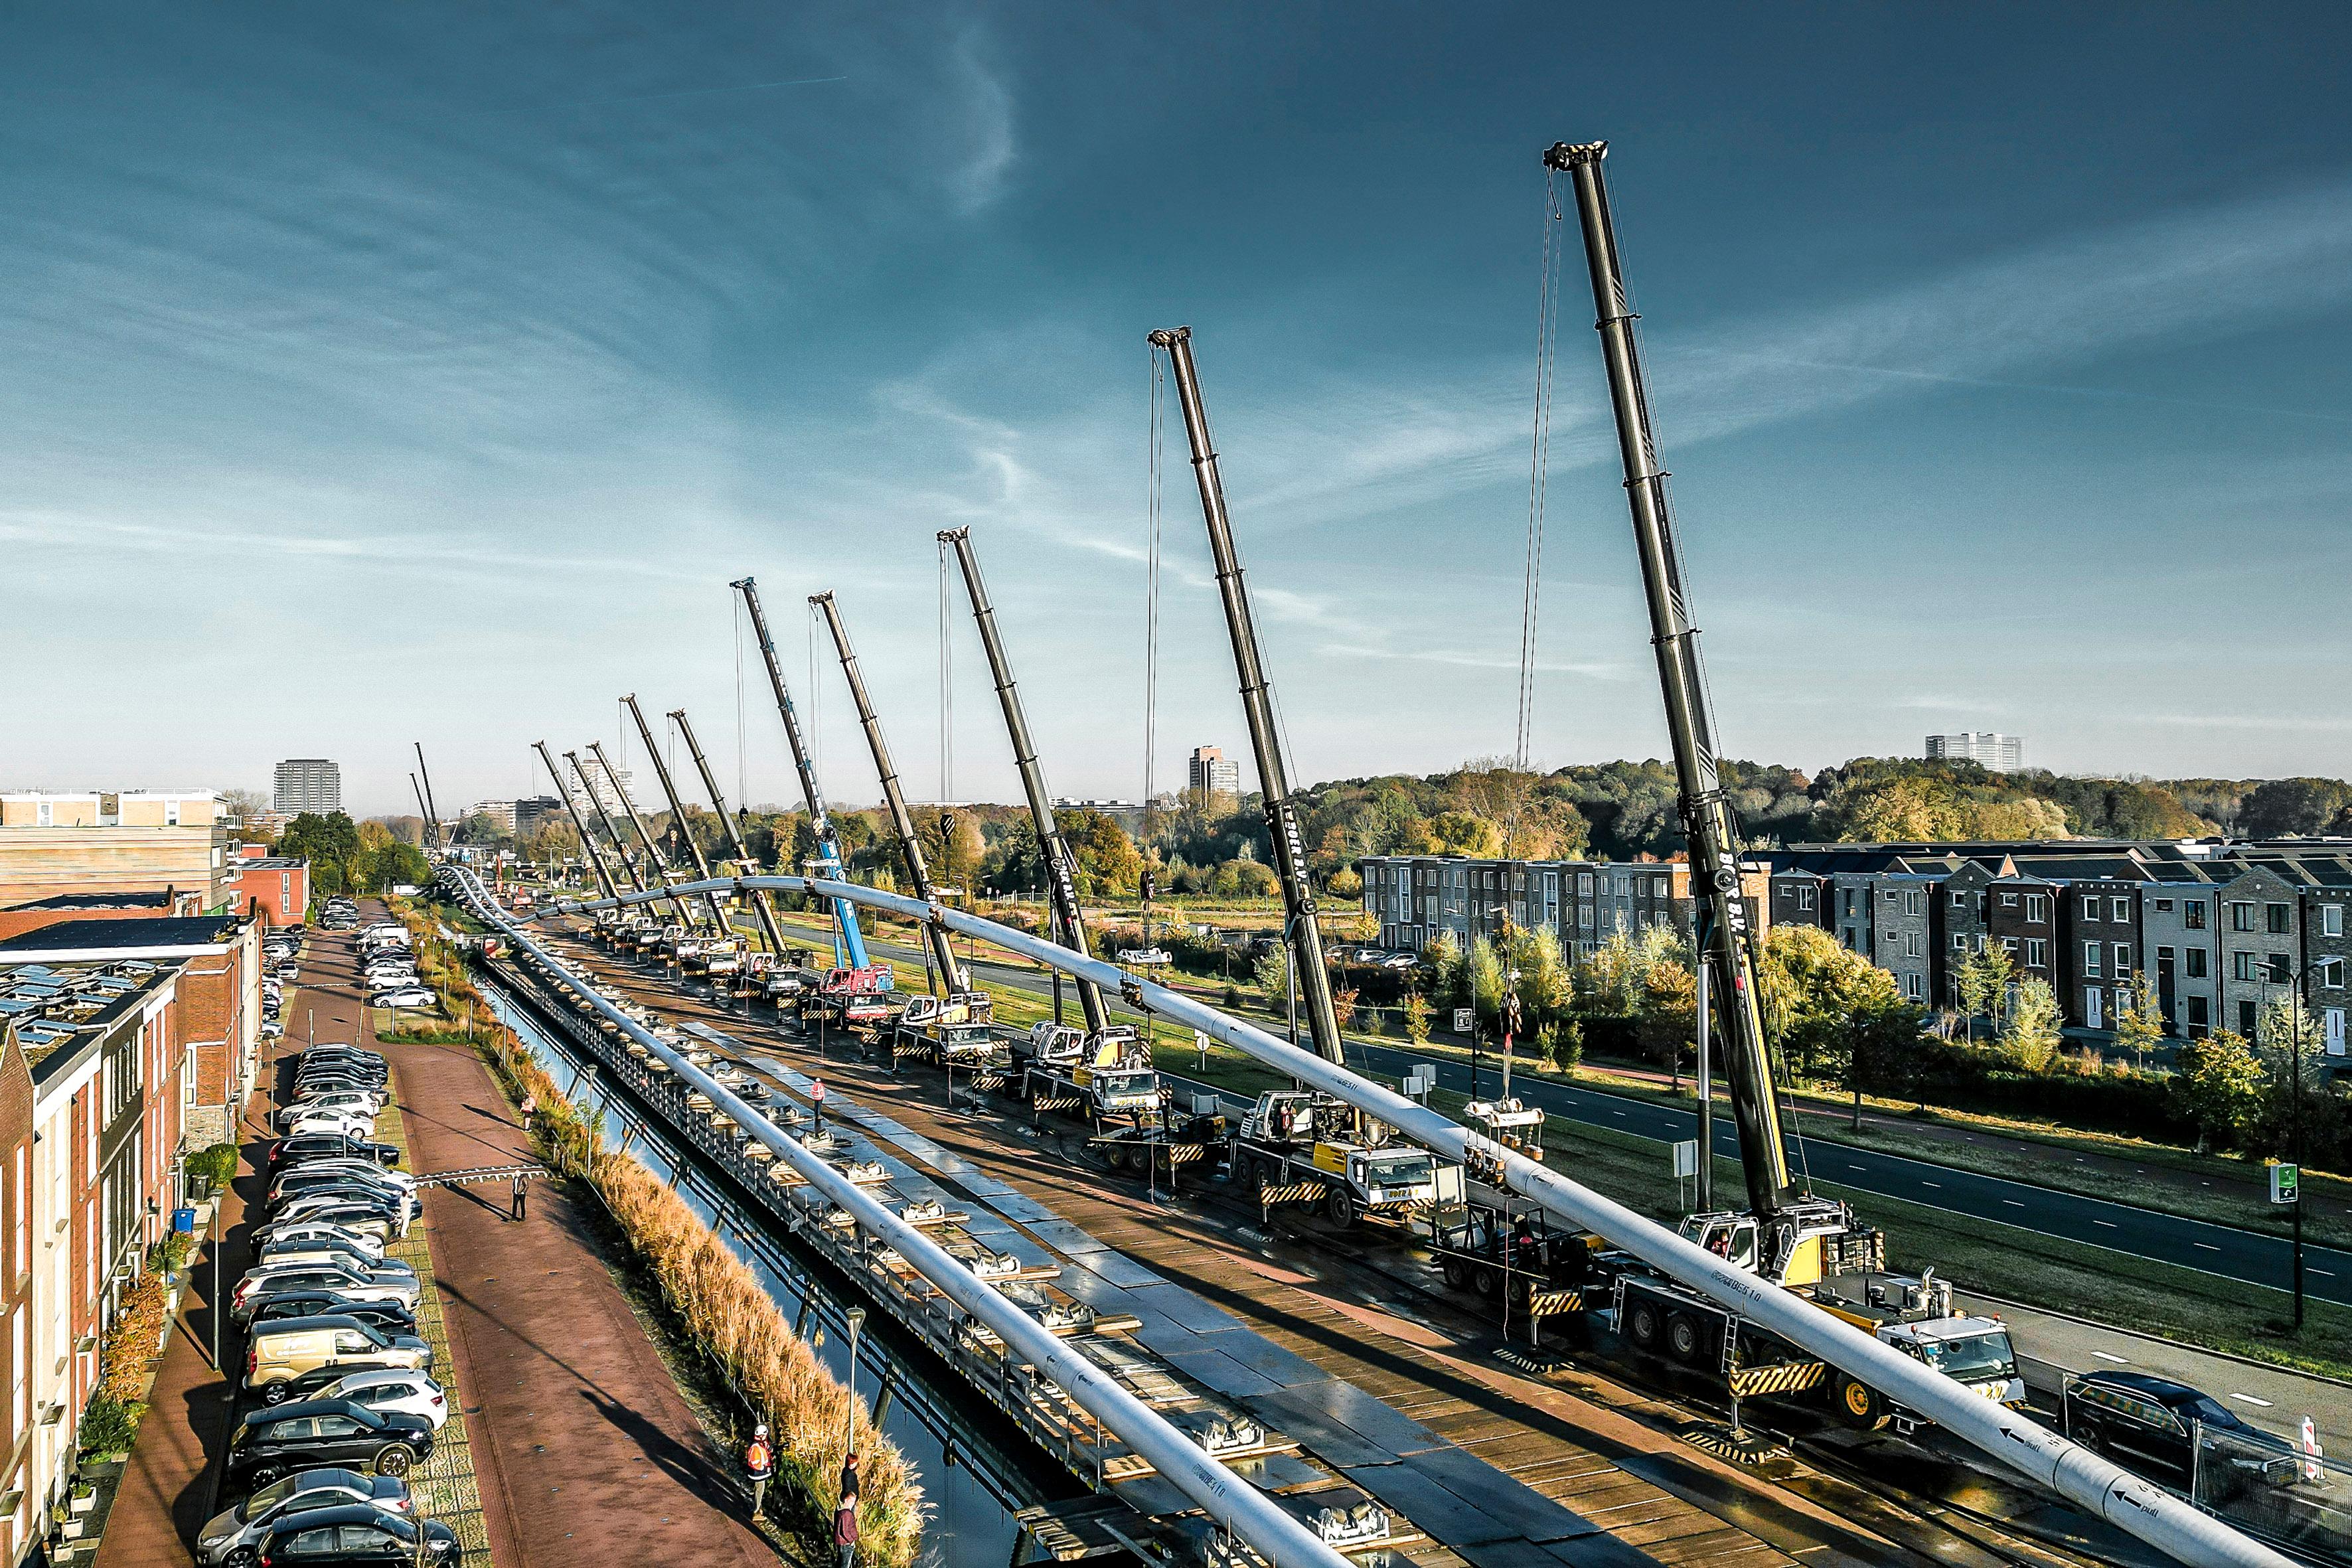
1731	1238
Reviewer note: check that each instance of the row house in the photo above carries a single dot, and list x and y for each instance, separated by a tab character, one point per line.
1417	899
90	1097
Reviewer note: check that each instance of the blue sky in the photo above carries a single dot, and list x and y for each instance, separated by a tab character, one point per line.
427	372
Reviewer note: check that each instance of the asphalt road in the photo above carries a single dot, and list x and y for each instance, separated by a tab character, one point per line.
2246	1255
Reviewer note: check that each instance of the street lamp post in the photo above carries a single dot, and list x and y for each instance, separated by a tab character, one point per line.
2297	976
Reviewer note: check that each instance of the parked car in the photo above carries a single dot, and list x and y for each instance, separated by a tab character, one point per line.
234	1535
286	1348
2146	1423
352	1252
355	1537
366	1284
284	1438
386	1217
389	1318
344	1123
391	1388
362	1181
290	1152
360	1101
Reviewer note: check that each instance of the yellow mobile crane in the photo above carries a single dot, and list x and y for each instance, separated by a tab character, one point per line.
1788	1237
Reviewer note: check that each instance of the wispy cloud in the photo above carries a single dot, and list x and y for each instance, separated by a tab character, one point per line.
988	148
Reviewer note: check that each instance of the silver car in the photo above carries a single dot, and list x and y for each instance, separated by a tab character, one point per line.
234	1536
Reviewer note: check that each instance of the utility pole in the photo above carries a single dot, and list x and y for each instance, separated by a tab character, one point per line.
571	809
935	936
676	810
760	906
1052	848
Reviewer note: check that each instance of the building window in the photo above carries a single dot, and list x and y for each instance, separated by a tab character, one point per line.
2197	967
2119	910
2164	906
2331	919
2328	974
2192	913
1960	941
2093	954
2200	1019
2037	908
1915	986
2248	1020
2280	970
1659	888
2241	966
2008	945
2281	918
170	814
1805	897
2009	901
2123	960
1848	900
2241	917
1584	884
43	815
2090	906
1910	945
2037	952
1915	902
1893	897
1959	901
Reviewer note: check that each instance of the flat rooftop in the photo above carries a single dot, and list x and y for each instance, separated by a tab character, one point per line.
154	900
56	1007
121	935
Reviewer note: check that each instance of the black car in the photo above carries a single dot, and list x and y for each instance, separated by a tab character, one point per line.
2147	1424
292	1184
274	1442
354	1537
387	1318
327	1146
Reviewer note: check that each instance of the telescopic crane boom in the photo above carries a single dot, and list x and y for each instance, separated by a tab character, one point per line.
902	821
620	848
1724	943
849	942
1300	926
734	833
1061	883
432	823
571	809
676	811
629	809
425	828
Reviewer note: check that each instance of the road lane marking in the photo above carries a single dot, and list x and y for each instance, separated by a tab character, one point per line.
2323	1273
2208	1247
2250	1399
2102	1355
2108	1222
1854	1167
2013	1203
1937	1185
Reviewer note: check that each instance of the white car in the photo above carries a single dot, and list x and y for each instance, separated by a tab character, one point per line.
367	1243
412	1393
360	1101
404	996
384	1218
347	1123
352	1165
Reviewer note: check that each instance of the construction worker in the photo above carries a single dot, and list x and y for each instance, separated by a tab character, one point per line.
759	1466
530	1111
515	1209
844	1514
816	1103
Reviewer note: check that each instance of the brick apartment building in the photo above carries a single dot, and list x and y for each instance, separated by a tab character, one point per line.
217	1020
2217	930
275	887
92	1091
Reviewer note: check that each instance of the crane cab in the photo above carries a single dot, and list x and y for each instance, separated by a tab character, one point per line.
1808	1239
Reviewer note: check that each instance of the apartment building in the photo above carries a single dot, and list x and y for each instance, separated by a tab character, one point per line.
2177	923
218	1016
91	1096
277	886
2099	922
308	784
1417	898
130	841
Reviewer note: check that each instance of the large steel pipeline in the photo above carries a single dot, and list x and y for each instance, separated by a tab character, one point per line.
2138	1506
1233	1502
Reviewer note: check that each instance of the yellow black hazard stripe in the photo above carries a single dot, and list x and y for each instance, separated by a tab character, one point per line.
1783	1378
1291	1193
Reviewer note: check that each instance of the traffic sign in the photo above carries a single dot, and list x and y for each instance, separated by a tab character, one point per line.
1465	1020
2287	1182
1686	1158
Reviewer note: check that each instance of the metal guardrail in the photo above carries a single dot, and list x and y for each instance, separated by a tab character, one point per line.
2130	1503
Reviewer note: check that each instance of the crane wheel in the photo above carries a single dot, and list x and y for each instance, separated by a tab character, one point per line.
1859	1406
1455	1274
1644	1325
1341	1207
1482	1277
1682	1338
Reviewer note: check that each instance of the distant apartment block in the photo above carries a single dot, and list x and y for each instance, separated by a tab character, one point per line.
308	784
500	812
532	810
130	841
1213	775
1418	897
1999	753
601	787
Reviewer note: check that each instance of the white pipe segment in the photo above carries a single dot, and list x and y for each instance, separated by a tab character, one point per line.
2144	1509
1283	1540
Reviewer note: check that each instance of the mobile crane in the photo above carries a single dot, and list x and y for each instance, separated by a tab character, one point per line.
678	822
623	927
1293	1146
902	822
667	935
851	967
1787	1236
571	808
760	905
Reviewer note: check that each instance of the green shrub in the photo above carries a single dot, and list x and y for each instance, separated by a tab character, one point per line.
108	1424
171	1253
217	1166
